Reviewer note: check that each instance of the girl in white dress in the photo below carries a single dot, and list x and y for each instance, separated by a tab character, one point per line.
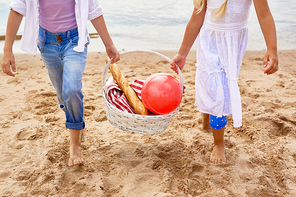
221	28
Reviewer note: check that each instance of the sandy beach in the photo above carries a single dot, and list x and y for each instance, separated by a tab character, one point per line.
175	163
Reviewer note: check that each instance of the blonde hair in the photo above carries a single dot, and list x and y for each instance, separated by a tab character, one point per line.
217	13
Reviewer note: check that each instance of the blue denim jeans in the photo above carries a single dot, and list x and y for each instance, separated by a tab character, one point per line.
65	68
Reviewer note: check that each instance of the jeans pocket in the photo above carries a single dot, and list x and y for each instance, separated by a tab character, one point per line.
74	40
40	45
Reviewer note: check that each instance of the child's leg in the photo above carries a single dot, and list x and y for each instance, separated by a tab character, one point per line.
74	64
73	99
75	146
218	126
218	153
65	68
206	122
66	76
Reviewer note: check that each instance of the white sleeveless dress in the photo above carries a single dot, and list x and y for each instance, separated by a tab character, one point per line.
221	45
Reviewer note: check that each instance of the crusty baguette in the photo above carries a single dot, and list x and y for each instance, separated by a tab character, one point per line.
127	90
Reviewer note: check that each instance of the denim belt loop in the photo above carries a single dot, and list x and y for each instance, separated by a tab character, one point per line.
69	35
44	33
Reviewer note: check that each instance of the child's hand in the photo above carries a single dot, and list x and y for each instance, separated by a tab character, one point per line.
270	62
8	64
113	54
179	61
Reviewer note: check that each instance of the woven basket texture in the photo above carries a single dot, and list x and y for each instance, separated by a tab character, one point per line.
150	124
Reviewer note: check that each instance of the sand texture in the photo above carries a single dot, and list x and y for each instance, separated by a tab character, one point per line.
34	149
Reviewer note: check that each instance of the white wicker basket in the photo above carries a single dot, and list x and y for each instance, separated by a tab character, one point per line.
150	124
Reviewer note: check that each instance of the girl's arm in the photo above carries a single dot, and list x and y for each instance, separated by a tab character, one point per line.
269	32
191	32
13	24
100	26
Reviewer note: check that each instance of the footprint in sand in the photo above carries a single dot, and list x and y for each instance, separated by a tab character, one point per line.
270	106
29	133
109	187
57	154
44	108
43	103
196	181
23	174
101	116
51	118
282	128
89	110
196	171
279	126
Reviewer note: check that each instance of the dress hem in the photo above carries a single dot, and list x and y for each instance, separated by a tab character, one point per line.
206	112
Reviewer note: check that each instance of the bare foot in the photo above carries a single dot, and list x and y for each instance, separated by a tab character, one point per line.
206	122
75	146
218	155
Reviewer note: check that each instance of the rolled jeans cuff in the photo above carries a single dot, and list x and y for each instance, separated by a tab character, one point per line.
75	126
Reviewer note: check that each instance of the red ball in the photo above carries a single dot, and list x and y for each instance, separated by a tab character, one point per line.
161	93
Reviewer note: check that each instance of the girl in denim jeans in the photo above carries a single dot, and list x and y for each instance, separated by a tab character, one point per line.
59	29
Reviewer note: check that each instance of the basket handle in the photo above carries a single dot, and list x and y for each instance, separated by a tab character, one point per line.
144	51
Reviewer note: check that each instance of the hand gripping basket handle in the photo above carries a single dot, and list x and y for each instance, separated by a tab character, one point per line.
144	51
